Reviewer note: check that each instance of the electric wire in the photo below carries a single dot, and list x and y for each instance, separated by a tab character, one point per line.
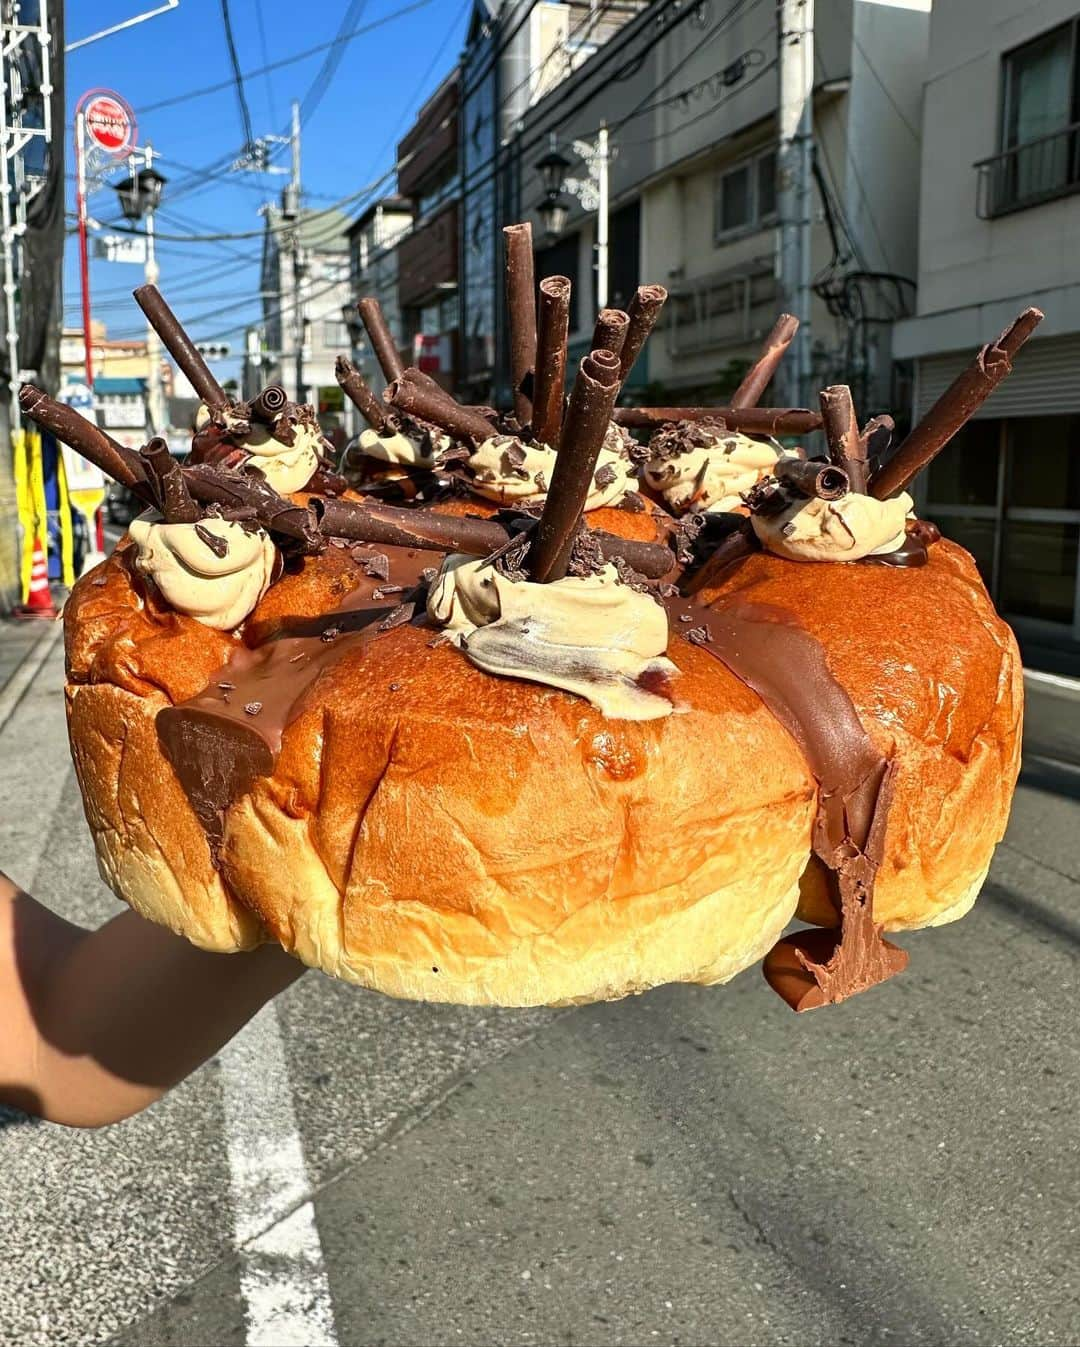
238	79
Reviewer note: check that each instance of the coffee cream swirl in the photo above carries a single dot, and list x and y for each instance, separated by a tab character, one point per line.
593	636
711	477
847	529
402	449
218	591
507	470
287	467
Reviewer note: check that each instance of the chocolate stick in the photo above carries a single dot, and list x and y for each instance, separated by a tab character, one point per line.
389	525
521	303
758	377
382	342
180	346
355	388
847	448
250	491
964	396
419	400
173	496
268	405
609	334
824	480
752	420
641	315
595	390
549	383
123	465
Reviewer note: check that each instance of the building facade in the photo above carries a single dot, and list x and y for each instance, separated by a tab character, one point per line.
373	273
998	225
516	55
690	98
305	293
428	268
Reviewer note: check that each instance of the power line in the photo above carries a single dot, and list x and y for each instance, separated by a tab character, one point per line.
261	24
331	61
238	79
207	89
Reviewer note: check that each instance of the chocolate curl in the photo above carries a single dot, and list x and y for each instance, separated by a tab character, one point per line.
847	448
180	346
250	492
172	493
123	465
389	525
814	478
550	382
440	409
609	334
758	377
521	303
642	313
750	420
964	396
359	394
382	342
595	390
269	404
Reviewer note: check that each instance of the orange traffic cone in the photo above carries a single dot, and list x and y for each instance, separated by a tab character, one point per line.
39	602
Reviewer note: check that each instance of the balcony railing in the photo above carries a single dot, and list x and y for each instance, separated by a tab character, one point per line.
1028	174
720	310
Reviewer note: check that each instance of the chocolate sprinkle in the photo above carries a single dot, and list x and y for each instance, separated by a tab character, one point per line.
699	635
330	634
253	708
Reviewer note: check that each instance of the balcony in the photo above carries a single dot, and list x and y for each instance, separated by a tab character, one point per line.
1029	174
721	310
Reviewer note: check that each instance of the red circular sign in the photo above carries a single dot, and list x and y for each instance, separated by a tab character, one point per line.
110	123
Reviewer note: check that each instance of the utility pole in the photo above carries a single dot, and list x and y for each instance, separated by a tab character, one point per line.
299	263
602	160
794	160
158	416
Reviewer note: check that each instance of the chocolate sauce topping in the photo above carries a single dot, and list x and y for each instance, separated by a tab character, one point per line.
217	747
765	647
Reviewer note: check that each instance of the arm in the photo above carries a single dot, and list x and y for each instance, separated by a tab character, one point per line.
96	1025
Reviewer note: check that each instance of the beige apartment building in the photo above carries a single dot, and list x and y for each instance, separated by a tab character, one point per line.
999	229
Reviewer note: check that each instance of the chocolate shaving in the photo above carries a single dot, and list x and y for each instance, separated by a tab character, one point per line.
585	557
540	481
633	502
253	708
219	546
384	590
605	476
682	437
376	567
699	635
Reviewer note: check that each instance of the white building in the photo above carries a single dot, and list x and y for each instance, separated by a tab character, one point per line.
998	228
305	288
690	98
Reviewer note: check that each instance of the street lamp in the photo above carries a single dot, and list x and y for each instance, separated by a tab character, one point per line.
140	195
591	191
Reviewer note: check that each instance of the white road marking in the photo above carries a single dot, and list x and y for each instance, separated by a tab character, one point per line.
282	1272
12	692
1053	681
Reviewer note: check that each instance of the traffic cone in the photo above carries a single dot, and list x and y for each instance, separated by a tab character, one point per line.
39	602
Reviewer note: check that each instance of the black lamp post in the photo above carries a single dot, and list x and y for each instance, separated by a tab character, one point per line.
553	208
140	193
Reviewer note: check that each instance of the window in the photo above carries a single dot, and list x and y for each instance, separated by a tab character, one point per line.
1039	157
336	334
746	195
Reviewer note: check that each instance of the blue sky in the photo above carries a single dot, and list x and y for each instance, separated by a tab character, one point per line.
349	135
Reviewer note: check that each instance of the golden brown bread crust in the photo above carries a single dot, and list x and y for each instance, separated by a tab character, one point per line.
461	837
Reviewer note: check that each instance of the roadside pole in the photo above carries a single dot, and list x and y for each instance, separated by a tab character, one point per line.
794	165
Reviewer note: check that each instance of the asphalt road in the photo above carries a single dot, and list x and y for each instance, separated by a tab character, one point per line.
692	1166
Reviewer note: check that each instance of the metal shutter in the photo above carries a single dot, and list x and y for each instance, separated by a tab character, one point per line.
1045	380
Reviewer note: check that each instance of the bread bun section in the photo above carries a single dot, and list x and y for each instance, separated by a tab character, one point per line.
564	750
